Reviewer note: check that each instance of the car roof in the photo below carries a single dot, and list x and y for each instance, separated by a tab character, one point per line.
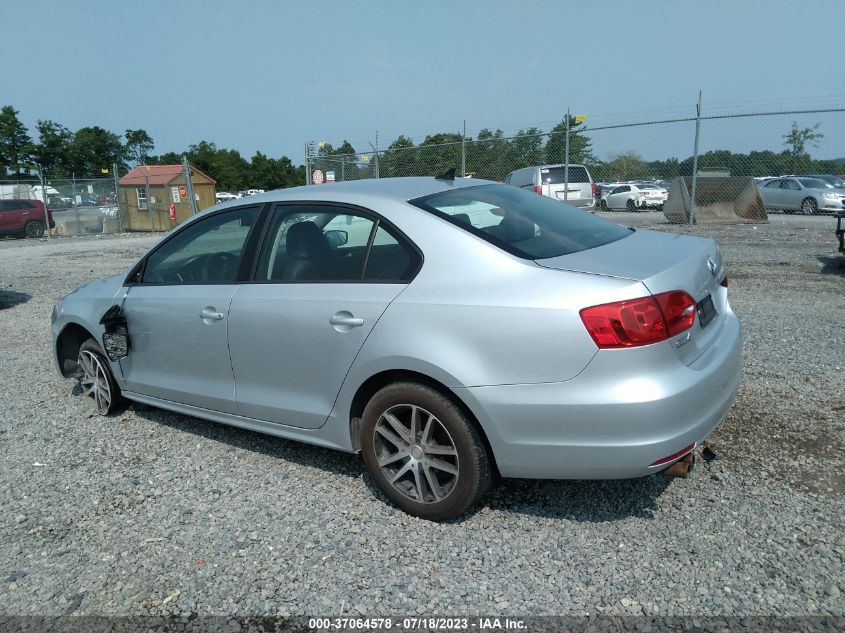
356	191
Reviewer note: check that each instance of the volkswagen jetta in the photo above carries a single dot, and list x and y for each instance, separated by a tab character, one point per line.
447	329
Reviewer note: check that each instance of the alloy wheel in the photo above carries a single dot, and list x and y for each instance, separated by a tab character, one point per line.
416	454
95	380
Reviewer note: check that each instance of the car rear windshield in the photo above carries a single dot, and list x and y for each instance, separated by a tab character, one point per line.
522	222
556	176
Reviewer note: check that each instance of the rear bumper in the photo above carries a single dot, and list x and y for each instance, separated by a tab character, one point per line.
614	419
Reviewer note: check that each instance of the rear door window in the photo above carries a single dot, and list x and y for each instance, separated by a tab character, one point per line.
556	175
521	222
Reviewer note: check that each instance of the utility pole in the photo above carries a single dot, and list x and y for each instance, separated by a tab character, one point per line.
189	181
376	148
695	160
566	162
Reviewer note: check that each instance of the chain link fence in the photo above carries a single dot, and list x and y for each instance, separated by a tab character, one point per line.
731	164
79	206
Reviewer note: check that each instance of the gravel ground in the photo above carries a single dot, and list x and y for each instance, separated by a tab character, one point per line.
151	512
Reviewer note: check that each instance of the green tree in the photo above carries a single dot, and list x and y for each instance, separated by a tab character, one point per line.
400	159
138	145
628	166
52	151
94	149
796	141
580	148
15	143
439	153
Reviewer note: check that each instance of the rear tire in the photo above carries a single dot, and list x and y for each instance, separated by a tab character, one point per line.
34	229
603	205
97	380
423	452
809	206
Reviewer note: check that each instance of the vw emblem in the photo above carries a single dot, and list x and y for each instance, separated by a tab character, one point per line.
711	265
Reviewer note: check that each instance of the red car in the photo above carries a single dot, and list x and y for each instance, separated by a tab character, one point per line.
23	218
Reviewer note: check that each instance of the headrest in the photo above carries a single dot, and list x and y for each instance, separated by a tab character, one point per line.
463	218
517	228
306	240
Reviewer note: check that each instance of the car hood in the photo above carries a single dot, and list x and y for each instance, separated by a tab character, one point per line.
99	288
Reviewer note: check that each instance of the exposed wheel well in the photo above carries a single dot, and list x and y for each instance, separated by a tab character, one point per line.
376	382
67	347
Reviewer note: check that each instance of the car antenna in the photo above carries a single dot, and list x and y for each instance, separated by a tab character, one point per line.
446	175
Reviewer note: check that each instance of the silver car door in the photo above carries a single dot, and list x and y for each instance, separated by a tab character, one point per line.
792	195
177	316
296	329
770	192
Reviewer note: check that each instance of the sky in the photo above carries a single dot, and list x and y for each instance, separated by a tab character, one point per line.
270	75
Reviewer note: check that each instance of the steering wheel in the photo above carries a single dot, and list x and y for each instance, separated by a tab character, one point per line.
219	267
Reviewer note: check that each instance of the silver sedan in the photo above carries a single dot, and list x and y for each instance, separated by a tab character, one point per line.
802	194
448	330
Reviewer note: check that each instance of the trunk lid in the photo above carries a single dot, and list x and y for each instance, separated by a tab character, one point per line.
663	262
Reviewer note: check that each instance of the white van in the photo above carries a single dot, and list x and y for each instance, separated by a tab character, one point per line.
548	180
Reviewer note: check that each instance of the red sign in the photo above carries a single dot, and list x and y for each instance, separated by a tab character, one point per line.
183	191
317	177
172	212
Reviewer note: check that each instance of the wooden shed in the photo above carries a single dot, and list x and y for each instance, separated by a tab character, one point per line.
166	184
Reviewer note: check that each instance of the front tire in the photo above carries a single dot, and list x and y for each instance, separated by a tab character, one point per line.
809	206
33	228
97	380
423	452
631	206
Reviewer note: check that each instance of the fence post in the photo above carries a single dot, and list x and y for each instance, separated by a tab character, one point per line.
120	226
464	151
566	163
44	199
73	197
695	160
189	181
307	164
147	194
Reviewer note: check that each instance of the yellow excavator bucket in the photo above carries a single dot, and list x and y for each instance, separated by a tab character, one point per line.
718	200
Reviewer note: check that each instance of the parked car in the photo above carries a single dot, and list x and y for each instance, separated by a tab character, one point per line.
549	180
446	329
631	197
23	218
225	196
653	200
106	200
800	194
835	181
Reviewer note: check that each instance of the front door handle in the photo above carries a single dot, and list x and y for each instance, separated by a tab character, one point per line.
346	320
210	314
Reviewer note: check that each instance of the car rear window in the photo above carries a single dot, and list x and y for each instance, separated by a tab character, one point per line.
555	175
521	222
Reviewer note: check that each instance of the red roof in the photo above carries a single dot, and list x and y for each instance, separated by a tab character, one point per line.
157	175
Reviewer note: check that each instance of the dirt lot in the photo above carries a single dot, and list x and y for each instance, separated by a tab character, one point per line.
151	512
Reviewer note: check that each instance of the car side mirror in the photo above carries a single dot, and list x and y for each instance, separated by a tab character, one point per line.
336	238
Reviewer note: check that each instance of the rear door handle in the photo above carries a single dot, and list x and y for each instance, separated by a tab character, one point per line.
210	314
346	320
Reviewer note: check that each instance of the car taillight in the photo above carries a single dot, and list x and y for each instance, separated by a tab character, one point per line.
642	321
593	187
538	189
678	309
724	281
